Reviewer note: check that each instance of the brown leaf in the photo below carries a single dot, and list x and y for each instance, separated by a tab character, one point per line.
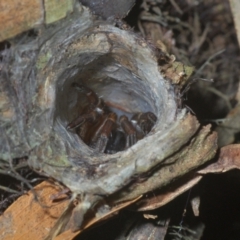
229	158
29	219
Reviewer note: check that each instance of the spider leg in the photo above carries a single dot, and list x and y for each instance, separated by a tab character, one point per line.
100	140
146	121
130	131
78	121
116	142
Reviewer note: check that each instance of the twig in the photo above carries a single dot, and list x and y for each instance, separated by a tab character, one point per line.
177	8
221	95
208	61
6	189
13	173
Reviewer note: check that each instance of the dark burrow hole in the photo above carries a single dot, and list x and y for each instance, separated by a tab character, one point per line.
109	116
108	127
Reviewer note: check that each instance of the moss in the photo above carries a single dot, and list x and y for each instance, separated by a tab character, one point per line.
55	10
43	60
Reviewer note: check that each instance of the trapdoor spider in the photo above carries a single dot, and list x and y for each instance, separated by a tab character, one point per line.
102	130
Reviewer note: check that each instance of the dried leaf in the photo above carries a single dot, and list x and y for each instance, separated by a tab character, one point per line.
29	219
40	217
229	158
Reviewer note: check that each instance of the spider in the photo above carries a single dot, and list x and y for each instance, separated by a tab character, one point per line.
92	111
101	129
145	121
